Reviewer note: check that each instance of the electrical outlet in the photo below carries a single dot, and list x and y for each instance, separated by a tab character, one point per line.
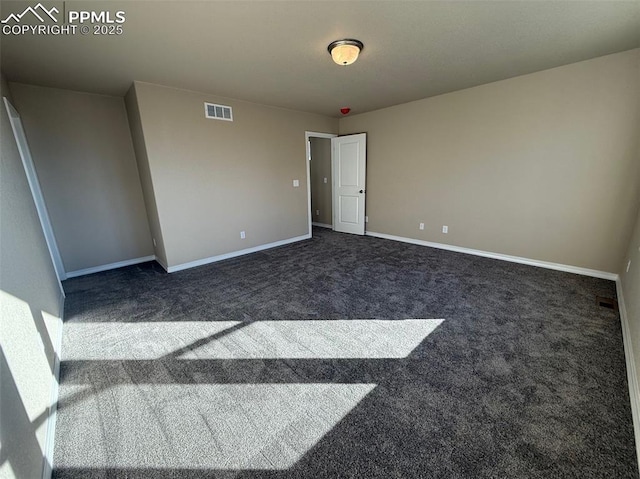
445	229
296	183
325	180
317	212
242	235
421	226
366	219
628	265
154	243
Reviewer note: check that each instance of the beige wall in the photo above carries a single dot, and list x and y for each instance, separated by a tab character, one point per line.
630	282
541	166
631	289
321	169
213	179
81	146
30	311
140	148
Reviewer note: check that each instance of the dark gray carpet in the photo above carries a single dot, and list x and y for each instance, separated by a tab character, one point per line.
508	371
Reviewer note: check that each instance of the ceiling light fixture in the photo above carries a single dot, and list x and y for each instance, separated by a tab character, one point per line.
345	52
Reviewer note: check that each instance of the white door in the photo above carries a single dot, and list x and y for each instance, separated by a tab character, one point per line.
34	184
348	168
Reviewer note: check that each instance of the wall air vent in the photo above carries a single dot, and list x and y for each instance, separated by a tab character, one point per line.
218	112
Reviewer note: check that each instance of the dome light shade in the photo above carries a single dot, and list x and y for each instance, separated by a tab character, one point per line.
345	52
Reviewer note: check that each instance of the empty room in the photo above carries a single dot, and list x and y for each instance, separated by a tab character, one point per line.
319	239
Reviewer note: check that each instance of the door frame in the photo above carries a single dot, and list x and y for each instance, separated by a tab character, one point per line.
36	192
307	136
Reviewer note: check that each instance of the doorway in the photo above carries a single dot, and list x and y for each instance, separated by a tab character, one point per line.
336	176
320	185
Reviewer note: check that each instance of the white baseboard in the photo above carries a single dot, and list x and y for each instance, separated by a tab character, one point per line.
233	254
61	304
323	225
47	466
503	257
106	267
162	263
632	377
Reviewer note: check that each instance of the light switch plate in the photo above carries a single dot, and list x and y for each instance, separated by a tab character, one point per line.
296	183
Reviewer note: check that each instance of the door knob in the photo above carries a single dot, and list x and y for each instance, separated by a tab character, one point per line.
361	191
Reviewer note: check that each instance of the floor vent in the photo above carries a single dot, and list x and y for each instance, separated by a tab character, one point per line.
608	303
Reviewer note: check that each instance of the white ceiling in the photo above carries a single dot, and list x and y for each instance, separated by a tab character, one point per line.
275	53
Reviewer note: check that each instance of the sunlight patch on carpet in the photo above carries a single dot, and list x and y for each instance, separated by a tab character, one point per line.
212	426
289	339
319	339
135	340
